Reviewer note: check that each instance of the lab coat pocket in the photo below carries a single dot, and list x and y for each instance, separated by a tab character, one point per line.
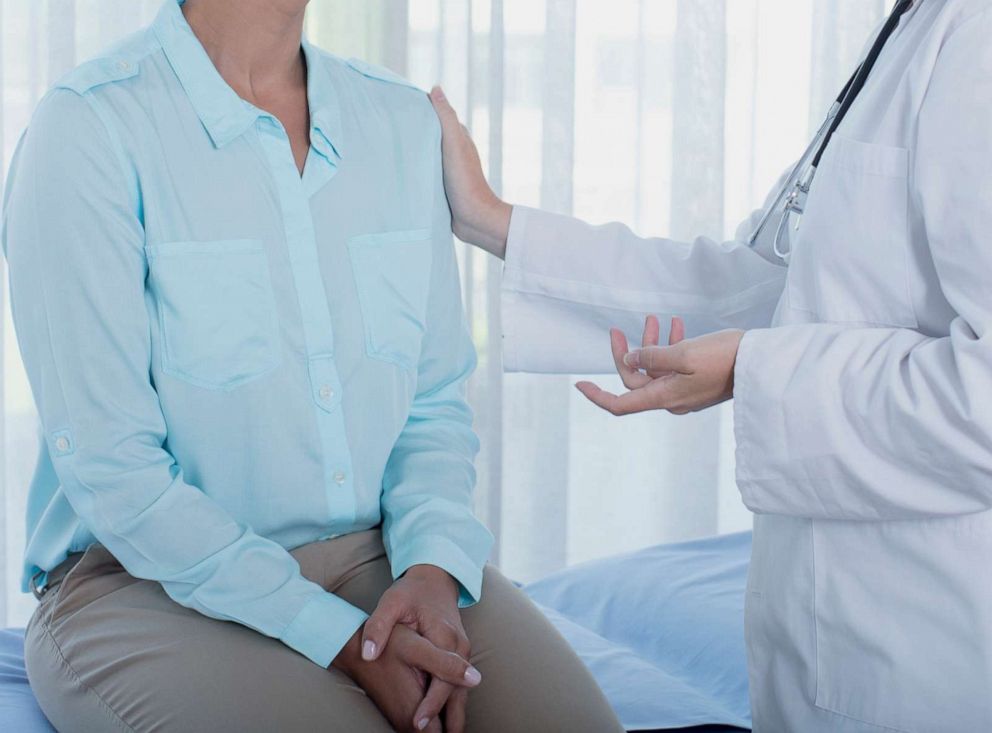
392	276
216	311
851	255
900	640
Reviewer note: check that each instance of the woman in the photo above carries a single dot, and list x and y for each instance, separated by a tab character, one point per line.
861	364
236	297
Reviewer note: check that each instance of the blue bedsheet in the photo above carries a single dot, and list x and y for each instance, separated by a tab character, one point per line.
660	629
18	710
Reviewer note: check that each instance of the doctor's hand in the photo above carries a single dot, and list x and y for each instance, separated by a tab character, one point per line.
685	376
478	216
425	599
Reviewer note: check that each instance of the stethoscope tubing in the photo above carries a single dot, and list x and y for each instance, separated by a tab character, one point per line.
801	177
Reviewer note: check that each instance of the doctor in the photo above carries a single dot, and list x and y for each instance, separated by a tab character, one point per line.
859	353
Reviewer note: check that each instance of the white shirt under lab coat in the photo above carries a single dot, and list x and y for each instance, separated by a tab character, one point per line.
863	398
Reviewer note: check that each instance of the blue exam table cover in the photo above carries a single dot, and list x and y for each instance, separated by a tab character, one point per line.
662	630
18	710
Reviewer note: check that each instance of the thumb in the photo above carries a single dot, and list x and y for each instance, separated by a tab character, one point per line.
656	359
378	628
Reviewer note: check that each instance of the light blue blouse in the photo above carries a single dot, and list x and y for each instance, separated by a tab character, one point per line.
231	360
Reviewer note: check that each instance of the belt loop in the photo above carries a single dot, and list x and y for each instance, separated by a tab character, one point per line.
54	576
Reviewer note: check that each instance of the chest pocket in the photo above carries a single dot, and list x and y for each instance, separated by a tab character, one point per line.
216	311
392	276
851	257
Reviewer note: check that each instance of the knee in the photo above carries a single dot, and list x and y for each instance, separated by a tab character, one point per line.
531	677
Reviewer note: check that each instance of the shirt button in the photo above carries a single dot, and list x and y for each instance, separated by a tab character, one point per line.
326	392
62	444
123	66
339	478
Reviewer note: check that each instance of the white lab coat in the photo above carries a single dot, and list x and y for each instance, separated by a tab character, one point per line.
863	397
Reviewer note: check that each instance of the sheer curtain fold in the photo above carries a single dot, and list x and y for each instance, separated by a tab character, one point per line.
838	37
671	115
6	547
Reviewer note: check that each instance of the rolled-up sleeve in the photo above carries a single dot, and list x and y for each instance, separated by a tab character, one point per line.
74	241
430	477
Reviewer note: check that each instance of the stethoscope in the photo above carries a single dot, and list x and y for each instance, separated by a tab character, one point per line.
797	186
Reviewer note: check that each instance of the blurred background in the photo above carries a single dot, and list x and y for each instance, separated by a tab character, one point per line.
673	116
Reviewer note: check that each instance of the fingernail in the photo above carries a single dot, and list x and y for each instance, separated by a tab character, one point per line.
422	723
440	94
368	651
632	359
473	676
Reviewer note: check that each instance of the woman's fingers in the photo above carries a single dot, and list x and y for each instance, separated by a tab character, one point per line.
455	711
440	664
677	333
650	339
652	332
379	626
658	360
441	695
445	112
438	695
632	378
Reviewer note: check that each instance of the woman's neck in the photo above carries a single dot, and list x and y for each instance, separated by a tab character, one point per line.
255	44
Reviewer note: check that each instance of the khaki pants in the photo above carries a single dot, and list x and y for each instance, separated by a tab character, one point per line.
106	651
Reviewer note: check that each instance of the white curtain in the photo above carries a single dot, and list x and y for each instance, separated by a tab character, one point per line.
674	116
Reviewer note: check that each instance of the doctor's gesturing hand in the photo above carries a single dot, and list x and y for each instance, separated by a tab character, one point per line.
686	376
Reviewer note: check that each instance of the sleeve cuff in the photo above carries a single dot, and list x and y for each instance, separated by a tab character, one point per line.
515	238
744	429
322	628
445	554
513	269
766	474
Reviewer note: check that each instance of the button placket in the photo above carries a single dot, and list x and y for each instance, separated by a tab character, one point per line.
324	382
325	385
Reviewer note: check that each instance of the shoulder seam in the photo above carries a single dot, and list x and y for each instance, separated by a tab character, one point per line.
380	73
126	65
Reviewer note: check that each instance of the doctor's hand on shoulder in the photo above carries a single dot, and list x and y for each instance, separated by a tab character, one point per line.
478	215
686	376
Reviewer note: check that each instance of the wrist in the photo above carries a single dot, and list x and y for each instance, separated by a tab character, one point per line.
489	228
350	654
435	576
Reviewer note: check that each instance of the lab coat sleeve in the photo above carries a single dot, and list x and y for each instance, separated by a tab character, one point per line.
427	500
565	283
886	423
75	248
